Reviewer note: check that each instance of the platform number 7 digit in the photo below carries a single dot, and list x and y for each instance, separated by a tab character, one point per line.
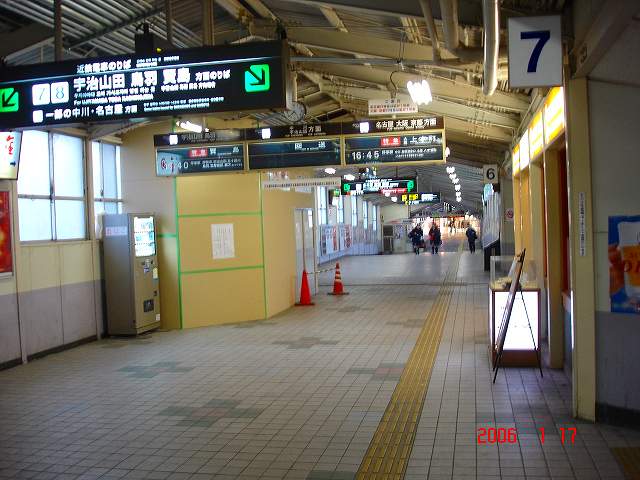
543	37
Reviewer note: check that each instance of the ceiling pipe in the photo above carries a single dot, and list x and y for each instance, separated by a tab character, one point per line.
491	37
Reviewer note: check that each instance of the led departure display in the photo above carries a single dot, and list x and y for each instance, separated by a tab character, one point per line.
216	158
390	186
416	147
300	153
250	76
418	198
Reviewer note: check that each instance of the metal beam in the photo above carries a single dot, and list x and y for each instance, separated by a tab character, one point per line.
333	18
113	28
57	30
612	20
168	15
500	101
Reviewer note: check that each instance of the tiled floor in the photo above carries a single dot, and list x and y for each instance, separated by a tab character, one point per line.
299	396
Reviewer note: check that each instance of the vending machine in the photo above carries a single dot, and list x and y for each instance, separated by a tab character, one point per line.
131	273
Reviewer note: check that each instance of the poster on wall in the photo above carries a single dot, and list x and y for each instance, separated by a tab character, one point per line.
624	264
222	242
6	260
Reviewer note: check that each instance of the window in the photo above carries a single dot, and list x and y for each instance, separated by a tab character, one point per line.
107	186
354	211
51	190
374	215
339	204
365	214
322	205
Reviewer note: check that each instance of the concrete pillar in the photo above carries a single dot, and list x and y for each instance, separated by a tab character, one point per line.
553	210
581	251
537	234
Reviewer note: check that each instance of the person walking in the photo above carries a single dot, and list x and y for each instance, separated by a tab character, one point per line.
471	237
435	237
416	238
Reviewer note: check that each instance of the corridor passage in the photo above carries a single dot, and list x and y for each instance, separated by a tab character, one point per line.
391	381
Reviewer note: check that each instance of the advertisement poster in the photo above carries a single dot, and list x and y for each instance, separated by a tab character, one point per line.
6	261
624	264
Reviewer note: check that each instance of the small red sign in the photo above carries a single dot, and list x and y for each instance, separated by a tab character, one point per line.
197	152
390	142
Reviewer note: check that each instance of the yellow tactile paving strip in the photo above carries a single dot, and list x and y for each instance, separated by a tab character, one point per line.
629	458
391	445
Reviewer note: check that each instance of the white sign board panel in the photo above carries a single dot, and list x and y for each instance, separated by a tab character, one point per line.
331	182
391	106
222	241
490	173
535	51
9	154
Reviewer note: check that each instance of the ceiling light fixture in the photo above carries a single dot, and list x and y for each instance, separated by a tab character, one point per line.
447	152
330	171
420	92
394	199
452	176
187	125
457	187
455	180
349	177
451	169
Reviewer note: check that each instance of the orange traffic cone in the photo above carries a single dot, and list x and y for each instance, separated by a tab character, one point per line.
337	283
305	293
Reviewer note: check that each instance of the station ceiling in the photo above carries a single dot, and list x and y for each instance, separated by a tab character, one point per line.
344	52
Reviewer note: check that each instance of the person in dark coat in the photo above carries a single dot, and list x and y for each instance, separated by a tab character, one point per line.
435	237
416	238
471	237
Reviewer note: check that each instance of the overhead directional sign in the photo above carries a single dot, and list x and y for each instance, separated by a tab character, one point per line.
390	186
250	76
394	148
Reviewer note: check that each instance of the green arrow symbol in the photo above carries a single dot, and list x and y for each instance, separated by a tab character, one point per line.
9	100
410	185
256	78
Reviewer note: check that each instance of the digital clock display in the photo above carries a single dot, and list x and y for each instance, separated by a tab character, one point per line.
418	147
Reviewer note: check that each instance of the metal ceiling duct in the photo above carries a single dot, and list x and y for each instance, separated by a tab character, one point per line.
491	37
489	55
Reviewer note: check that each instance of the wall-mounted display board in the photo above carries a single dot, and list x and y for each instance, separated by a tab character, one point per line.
391	186
214	158
249	76
404	141
297	153
394	149
418	198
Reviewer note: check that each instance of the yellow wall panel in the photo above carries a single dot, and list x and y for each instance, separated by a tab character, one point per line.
196	252
168	273
220	193
76	262
39	267
280	246
215	298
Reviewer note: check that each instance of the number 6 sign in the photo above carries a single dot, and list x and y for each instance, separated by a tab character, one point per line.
535	51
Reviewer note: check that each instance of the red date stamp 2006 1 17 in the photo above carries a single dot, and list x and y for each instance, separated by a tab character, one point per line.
492	435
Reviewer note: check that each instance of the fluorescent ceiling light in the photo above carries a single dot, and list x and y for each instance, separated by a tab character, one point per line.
265	133
330	170
455	180
451	169
364	127
447	152
452	176
394	199
457	187
192	127
420	92
349	177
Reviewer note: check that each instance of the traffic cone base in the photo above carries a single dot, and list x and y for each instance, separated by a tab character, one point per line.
305	293
338	288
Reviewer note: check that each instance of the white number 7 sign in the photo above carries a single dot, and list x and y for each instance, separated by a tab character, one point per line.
535	51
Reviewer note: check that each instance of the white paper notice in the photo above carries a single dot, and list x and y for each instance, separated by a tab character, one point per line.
222	241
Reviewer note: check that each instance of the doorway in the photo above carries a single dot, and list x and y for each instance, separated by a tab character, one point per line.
305	248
